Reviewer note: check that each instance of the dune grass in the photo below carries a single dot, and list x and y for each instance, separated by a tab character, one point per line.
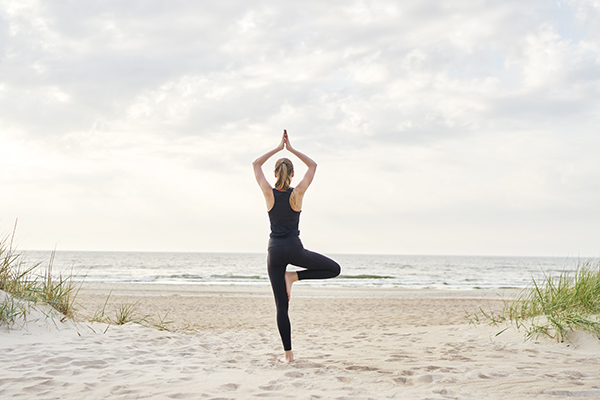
124	313
10	311
24	287
554	306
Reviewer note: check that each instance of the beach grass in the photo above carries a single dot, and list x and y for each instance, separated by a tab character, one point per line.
127	312
124	313
10	311
23	287
162	323
553	306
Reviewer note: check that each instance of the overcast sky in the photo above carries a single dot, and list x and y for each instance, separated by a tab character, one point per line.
440	127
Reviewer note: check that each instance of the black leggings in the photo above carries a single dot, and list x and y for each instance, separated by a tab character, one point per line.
284	251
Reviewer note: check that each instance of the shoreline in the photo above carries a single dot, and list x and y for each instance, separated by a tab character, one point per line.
300	291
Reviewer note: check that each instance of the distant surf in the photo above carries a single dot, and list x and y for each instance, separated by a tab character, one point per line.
409	271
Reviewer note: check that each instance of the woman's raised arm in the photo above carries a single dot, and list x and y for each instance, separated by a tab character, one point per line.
301	187
257	164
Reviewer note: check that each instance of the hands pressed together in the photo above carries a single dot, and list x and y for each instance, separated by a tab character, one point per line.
285	142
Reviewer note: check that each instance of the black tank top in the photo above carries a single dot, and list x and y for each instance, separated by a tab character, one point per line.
284	220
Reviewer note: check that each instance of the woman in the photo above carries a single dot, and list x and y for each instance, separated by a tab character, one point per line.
284	204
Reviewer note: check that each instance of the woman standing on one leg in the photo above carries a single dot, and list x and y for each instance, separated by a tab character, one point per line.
284	204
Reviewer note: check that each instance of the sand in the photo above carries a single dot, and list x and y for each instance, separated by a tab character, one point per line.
349	344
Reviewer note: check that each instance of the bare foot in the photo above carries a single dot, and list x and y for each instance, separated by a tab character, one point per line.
290	278
288	357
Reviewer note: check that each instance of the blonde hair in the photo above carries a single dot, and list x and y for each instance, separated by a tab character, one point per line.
284	170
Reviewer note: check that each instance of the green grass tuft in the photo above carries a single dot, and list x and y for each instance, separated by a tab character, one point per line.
162	323
24	289
10	311
125	313
554	306
22	286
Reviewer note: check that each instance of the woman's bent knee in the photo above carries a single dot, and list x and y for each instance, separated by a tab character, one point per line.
336	270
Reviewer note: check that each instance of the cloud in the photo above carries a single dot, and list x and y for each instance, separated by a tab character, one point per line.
193	68
489	104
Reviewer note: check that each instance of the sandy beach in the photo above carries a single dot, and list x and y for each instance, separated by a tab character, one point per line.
349	344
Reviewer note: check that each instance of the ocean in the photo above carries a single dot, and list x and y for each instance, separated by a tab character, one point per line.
401	271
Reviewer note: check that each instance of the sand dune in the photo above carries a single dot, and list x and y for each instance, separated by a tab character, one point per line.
349	345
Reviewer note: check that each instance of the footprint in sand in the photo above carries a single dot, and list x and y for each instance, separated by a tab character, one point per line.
184	396
307	364
57	372
573	393
45	385
429	378
575	374
59	360
230	387
361	368
5	381
272	387
403	380
294	374
91	364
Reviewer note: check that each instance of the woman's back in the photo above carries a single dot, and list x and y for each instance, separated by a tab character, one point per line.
284	220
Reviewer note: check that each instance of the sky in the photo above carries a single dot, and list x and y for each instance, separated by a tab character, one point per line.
455	127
